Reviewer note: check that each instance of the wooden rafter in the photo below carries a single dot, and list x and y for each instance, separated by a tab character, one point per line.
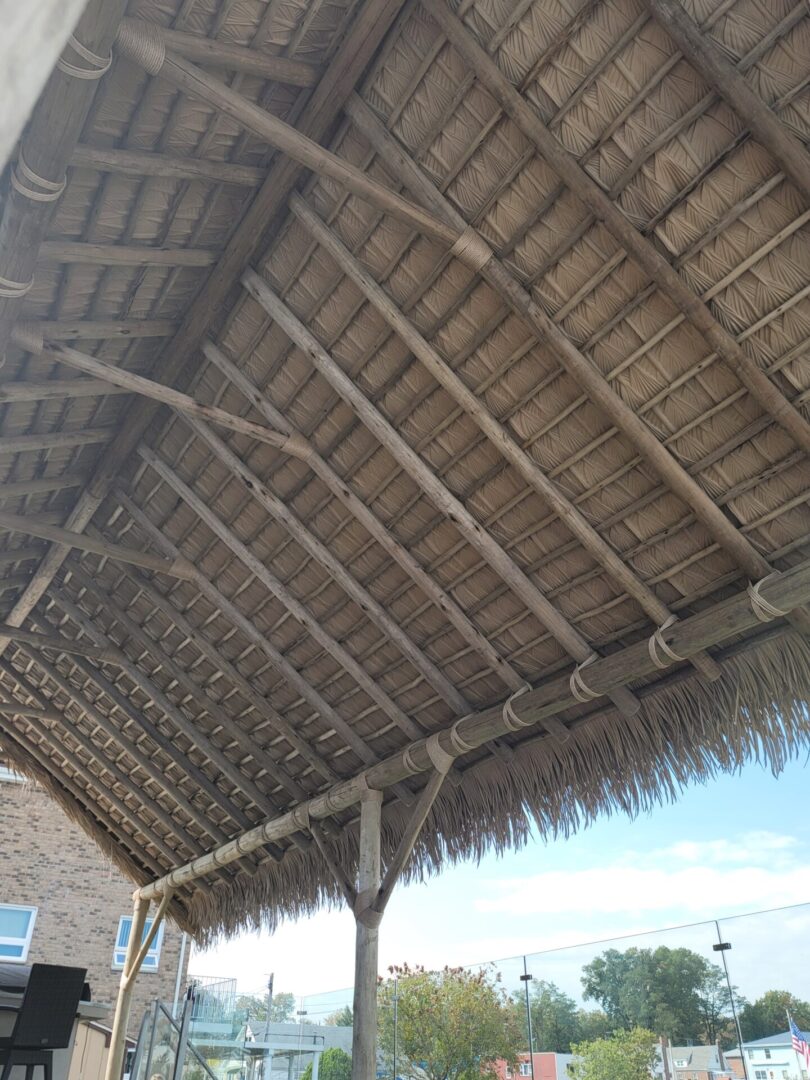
139	163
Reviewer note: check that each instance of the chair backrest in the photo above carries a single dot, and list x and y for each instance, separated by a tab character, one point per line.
45	1019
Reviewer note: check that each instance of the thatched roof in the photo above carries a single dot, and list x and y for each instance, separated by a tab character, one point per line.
618	437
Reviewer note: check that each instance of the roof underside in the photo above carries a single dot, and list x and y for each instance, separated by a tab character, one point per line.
236	700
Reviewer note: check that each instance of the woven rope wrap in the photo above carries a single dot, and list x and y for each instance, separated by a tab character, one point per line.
297	446
657	643
579	688
13	290
99	65
50	189
472	249
143	43
408	761
460	745
510	717
764	610
442	761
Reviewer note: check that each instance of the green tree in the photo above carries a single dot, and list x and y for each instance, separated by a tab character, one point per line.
674	992
254	1006
768	1014
554	1017
341	1018
592	1024
335	1064
625	1055
451	1024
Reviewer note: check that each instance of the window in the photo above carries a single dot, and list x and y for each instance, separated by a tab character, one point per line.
151	959
760	1074
525	1068
16	928
767	1055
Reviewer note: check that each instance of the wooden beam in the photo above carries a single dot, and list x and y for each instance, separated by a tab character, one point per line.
91	330
198	739
499	436
370	522
275	132
221	54
31	42
602	394
55	440
337	871
280	511
18	489
202	700
322	108
137	384
297	609
640	250
140	163
141	722
55	390
507	569
102	654
11	556
786	591
706	57
70	251
31	527
14	582
141	760
242	623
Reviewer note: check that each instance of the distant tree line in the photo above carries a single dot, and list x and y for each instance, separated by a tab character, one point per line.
672	992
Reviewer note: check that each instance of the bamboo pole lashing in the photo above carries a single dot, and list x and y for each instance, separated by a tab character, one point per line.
785	591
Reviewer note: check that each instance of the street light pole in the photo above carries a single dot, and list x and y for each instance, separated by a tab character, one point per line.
526	978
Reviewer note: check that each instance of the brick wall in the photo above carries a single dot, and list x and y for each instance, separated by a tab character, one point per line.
48	862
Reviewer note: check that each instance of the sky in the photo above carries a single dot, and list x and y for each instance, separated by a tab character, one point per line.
738	844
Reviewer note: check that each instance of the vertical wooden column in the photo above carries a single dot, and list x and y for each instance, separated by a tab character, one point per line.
364	1036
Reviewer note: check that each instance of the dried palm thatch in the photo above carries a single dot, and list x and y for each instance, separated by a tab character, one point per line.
379	362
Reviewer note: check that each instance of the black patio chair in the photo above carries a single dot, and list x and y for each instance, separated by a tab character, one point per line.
45	1019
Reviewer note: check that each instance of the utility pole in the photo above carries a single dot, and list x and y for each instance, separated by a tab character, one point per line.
526	978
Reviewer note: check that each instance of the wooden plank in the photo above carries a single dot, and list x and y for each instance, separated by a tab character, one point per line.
90	330
69	251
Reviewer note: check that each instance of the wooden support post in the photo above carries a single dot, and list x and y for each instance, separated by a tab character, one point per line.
367	933
640	250
179	568
136	953
709	61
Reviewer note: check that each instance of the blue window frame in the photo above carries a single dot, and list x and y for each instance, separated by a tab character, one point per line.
16	929
152	958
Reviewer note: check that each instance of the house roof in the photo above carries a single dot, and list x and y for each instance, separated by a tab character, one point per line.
697	1057
498	320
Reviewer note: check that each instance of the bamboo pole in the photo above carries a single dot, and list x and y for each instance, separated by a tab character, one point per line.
643	253
503	564
118	1037
213	53
139	163
367	937
784	591
501	438
178	568
703	53
376	528
166	395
